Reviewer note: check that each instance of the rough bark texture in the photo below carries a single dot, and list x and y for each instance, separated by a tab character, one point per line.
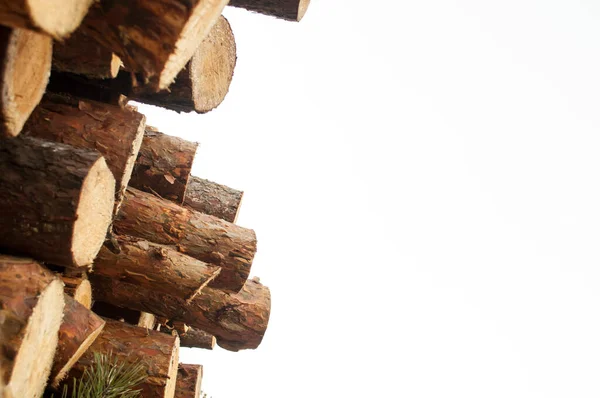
203	84
115	132
84	56
79	329
163	165
155	38
56	18
56	201
31	307
189	381
213	199
201	236
196	338
238	320
291	10
26	58
132	317
157	352
155	267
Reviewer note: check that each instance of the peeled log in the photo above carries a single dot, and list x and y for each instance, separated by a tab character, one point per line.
56	18
157	352
132	317
79	329
237	320
26	58
291	10
198	235
196	338
189	381
204	82
115	132
163	165
155	267
31	309
155	38
82	55
213	199
56	201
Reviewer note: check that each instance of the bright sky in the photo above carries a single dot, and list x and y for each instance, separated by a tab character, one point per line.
423	178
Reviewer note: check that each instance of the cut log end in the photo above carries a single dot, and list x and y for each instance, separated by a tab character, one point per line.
94	213
303	6
34	358
203	17
57	18
25	73
83	294
115	65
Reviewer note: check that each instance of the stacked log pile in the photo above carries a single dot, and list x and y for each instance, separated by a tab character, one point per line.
108	243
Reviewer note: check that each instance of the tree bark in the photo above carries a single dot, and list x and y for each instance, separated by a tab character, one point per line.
56	18
82	55
115	132
155	267
26	59
203	84
56	201
291	10
31	299
155	38
157	352
163	165
198	235
79	329
213	199
237	320
196	338
189	381
132	317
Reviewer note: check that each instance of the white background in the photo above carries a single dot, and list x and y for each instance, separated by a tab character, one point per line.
423	179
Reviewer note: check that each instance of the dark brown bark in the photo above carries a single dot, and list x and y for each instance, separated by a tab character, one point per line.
155	267
213	199
163	165
198	235
82	55
157	352
291	10
32	303
56	201
56	18
79	329
237	320
115	132
196	338
26	58
132	317
203	84
155	38
189	381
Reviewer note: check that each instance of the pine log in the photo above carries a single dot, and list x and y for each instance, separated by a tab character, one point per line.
56	201
204	82
132	317
82	55
196	338
213	199
26	59
189	381
237	320
155	38
155	267
31	309
198	235
157	352
79	288
79	329
163	165
115	132
291	10
56	18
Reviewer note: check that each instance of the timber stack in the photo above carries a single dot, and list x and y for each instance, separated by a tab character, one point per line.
108	244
